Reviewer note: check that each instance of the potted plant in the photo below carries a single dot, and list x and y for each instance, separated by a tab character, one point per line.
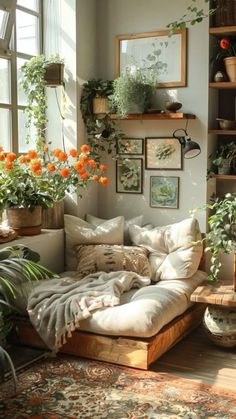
224	158
33	83
38	180
95	96
17	265
132	92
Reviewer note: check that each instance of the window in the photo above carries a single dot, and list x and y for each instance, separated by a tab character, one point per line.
25	41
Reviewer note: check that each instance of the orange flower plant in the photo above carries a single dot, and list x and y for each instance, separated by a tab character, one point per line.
33	179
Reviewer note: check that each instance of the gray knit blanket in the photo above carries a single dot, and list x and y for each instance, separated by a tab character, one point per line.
56	306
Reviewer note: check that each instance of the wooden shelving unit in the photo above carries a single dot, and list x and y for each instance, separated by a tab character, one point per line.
223	85
153	116
223	30
222	131
225	177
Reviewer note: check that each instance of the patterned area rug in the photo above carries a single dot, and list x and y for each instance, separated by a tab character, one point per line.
68	388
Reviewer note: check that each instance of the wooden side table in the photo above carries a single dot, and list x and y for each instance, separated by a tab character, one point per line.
220	315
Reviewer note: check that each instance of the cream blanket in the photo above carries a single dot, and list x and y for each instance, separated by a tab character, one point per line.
56	306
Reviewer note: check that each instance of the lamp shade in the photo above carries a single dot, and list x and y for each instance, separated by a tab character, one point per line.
190	148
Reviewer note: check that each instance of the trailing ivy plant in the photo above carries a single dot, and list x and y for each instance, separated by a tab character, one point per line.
33	84
102	132
221	237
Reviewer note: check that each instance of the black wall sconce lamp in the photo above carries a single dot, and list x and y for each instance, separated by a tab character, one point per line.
190	148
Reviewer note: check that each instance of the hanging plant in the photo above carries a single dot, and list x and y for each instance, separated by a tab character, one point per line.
33	84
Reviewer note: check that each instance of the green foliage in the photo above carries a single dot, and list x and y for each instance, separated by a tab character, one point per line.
225	151
33	84
221	237
194	14
131	90
102	132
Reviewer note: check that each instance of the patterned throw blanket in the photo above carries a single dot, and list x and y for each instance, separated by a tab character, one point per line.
56	306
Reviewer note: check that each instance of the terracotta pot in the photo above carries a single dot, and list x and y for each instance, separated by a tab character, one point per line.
230	67
53	217
54	75
24	221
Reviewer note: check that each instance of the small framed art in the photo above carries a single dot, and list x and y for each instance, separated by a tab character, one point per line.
129	176
164	192
130	146
163	153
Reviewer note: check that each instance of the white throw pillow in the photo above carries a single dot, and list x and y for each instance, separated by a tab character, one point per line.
95	221
173	255
78	231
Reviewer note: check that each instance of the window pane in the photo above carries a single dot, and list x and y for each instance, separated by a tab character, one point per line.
22	133
5	124
30	4
4	81
3	23
27	34
22	100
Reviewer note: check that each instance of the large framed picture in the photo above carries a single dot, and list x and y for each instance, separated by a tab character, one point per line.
129	176
155	52
163	153
164	192
130	146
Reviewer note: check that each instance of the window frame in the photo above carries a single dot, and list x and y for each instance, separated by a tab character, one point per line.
7	6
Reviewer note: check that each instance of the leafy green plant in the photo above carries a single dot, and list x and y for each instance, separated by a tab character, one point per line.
33	84
17	264
225	153
132	92
221	237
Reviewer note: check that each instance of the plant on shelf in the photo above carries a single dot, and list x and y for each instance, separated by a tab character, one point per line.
102	132
33	84
221	237
224	158
18	264
132	92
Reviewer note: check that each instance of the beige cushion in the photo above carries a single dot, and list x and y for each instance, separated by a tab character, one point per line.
173	255
135	220
78	231
110	258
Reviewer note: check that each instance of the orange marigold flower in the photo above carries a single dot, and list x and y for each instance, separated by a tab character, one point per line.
2	156
84	159
91	163
36	166
85	148
64	172
73	152
95	177
51	167
224	43
62	156
78	165
56	152
84	175
23	159
1	148
104	180
32	154
103	167
11	156
8	165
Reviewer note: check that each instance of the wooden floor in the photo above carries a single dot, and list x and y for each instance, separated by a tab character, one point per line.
195	357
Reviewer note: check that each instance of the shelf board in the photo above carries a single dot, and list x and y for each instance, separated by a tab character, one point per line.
225	177
223	85
154	116
215	294
223	30
222	131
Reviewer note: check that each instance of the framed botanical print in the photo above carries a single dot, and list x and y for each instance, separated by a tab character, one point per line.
163	153
129	176
154	52
130	146
164	192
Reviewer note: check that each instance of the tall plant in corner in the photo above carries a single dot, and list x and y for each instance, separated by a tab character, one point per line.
33	84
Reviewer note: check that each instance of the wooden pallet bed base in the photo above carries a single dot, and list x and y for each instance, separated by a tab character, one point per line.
131	352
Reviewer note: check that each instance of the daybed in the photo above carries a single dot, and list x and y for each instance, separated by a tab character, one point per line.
148	320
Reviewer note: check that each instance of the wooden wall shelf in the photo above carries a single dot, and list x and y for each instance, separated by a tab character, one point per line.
223	85
225	177
223	30
222	131
154	116
215	294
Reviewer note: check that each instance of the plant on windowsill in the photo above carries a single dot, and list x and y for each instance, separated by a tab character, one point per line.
18	265
33	83
132	92
102	132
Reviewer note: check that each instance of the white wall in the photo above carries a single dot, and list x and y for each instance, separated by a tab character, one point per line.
133	16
